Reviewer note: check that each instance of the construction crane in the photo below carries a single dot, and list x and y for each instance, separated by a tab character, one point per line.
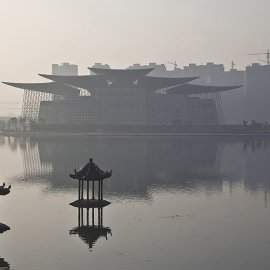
267	56
232	65
175	64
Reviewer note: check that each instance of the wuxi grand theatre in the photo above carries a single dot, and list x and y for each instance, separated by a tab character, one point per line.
121	97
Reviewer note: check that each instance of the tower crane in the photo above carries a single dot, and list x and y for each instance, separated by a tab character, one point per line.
232	65
174	64
264	53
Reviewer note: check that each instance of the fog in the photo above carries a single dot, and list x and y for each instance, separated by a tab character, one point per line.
35	34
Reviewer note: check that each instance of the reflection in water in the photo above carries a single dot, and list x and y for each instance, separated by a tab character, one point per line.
191	221
4	228
4	265
187	163
3	192
156	161
257	156
88	229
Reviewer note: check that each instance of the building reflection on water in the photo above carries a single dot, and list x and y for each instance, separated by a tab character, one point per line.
90	227
3	264
140	163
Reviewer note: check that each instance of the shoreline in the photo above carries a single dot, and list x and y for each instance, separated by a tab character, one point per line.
103	134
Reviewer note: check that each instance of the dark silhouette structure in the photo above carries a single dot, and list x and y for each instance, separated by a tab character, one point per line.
4	265
4	191
88	229
90	173
4	228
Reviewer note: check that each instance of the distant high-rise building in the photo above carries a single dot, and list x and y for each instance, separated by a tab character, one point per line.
99	65
65	69
159	69
258	92
207	72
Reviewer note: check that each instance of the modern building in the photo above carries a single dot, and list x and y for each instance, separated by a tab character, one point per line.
230	104
258	93
126	97
32	98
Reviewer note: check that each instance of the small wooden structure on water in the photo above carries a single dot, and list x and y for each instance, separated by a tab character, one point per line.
90	173
4	191
4	265
88	231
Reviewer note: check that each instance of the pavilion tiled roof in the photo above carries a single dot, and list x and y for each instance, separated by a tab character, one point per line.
91	172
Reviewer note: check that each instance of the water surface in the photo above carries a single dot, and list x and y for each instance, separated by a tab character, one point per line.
177	203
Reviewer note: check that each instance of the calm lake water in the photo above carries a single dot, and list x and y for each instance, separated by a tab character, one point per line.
177	203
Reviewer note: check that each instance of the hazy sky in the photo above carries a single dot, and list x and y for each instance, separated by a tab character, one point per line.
37	33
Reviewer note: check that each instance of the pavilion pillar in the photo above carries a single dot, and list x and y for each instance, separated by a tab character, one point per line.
87	190
93	190
82	190
101	217
98	217
87	216
93	217
101	185
79	190
98	189
81	216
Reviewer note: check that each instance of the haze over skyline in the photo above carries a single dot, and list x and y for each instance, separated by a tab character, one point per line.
37	33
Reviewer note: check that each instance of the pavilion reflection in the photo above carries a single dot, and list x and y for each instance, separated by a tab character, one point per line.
4	265
90	227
